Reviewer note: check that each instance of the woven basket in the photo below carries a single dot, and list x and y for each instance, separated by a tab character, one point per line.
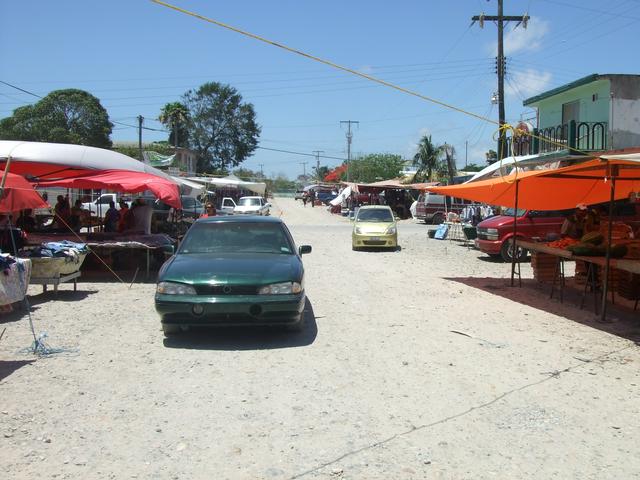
52	267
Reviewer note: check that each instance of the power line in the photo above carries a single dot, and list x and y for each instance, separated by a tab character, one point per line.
21	89
300	153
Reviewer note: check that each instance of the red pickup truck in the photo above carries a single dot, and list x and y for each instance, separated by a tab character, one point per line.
495	233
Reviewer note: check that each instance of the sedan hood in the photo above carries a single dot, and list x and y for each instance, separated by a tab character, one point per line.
232	269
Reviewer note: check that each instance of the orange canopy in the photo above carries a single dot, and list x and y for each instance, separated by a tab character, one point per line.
564	188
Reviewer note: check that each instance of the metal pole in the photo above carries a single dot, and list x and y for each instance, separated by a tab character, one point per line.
613	173
515	228
140	120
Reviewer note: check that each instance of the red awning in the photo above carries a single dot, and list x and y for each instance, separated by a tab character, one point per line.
121	181
19	194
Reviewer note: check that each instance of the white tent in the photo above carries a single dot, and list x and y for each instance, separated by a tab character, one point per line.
523	161
342	196
231	181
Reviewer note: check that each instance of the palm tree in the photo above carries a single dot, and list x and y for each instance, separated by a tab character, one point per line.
175	115
427	157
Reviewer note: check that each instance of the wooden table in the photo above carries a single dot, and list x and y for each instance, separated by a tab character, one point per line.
627	265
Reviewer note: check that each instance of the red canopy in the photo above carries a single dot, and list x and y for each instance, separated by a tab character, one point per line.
122	181
79	166
19	194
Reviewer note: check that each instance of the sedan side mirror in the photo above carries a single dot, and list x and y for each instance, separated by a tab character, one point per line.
302	249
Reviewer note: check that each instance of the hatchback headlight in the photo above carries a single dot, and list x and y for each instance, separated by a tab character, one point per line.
358	231
391	231
171	288
283	288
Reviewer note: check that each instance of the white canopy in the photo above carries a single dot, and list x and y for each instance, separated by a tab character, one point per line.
231	181
73	156
342	196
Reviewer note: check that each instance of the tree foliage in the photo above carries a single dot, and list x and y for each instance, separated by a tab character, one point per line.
492	156
320	173
175	117
374	167
222	129
63	116
427	158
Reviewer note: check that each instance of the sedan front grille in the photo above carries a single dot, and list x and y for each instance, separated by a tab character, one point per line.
226	289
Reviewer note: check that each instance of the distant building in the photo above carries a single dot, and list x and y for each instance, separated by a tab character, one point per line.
594	113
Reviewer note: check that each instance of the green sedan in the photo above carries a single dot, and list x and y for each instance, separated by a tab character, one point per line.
233	270
374	226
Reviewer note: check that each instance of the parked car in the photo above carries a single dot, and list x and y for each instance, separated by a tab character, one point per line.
252	206
227	206
325	196
432	208
101	204
233	270
374	226
192	208
495	234
298	195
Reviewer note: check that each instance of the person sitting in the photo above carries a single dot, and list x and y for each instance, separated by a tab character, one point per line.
76	216
62	213
26	221
111	218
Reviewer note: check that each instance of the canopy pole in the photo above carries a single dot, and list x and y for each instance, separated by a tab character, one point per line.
4	175
613	173
513	238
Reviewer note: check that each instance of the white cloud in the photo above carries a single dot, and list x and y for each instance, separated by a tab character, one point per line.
522	39
527	83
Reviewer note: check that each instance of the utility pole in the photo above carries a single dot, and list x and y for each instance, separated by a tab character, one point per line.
318	152
140	120
349	138
466	150
261	172
304	166
500	64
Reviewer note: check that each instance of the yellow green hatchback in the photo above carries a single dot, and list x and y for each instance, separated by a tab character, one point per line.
374	226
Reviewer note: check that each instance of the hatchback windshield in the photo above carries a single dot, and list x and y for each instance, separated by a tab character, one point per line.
229	237
249	202
375	215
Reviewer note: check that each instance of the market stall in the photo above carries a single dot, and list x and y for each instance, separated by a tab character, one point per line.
81	167
603	179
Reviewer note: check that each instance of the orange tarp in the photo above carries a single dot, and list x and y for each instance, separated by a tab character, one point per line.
563	188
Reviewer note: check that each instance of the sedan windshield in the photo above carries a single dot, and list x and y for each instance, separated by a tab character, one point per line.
249	202
375	215
230	237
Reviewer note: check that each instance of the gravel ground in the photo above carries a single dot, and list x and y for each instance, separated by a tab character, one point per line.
418	363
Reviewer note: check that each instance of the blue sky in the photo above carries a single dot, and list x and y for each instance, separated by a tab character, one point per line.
135	56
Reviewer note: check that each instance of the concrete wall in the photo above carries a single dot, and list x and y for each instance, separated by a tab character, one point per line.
625	107
550	109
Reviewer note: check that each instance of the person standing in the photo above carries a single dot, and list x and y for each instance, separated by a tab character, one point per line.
111	218
122	221
312	197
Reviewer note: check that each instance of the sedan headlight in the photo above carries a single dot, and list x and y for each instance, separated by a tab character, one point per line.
283	288
171	288
391	231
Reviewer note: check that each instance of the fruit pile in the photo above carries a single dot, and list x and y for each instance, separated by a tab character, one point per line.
563	243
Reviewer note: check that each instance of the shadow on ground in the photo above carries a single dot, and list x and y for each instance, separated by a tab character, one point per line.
623	321
246	338
7	367
65	294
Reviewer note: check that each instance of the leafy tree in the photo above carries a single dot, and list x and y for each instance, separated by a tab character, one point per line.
449	161
247	174
374	167
63	116
320	173
280	183
222	129
472	167
427	158
175	116
492	156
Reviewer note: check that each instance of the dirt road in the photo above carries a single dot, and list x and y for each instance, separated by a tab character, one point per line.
419	363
